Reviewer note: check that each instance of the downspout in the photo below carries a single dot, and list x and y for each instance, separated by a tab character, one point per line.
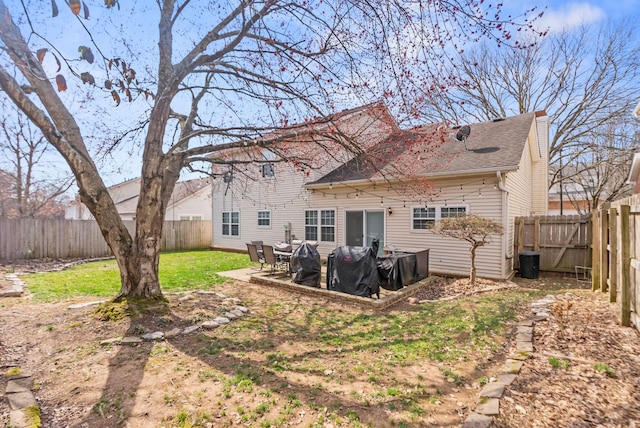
508	249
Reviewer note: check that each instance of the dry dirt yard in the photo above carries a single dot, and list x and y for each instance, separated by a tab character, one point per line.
269	369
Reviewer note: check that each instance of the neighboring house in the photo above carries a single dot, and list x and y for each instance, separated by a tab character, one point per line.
501	174
190	200
634	173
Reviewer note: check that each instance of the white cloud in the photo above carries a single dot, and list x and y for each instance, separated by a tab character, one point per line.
570	15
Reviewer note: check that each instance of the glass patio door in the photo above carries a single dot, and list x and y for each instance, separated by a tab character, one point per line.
362	227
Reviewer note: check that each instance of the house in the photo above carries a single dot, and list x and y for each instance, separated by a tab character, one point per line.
190	200
634	173
408	180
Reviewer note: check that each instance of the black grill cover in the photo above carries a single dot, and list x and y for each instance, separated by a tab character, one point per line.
353	270
397	270
305	265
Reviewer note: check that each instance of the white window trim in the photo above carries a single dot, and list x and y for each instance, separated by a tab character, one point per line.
230	235
262	226
319	225
438	216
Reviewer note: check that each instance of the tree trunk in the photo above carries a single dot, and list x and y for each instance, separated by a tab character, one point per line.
473	264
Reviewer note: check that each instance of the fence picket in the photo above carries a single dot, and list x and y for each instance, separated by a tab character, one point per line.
64	239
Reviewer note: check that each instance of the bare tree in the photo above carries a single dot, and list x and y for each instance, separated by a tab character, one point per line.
586	79
29	188
217	76
477	231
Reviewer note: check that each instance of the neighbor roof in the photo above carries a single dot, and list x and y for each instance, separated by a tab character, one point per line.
491	146
182	190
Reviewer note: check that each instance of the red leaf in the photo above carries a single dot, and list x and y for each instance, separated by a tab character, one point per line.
58	62
116	97
40	54
75	6
128	94
61	82
54	8
107	84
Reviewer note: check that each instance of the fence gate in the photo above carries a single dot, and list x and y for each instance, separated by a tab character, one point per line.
563	242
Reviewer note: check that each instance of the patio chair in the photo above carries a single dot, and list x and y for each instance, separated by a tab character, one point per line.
255	256
258	245
274	261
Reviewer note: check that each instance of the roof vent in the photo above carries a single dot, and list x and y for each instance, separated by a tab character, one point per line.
498	119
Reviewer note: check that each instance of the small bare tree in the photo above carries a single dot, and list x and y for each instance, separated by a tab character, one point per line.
471	228
26	190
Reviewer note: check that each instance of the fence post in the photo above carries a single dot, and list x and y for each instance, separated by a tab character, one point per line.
536	233
595	251
604	248
625	258
520	234
613	254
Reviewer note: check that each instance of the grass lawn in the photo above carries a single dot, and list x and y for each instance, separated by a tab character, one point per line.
179	271
293	360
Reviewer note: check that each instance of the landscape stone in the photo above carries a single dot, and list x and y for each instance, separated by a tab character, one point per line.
86	304
540	317
131	340
524	347
222	320
525	330
488	406
156	335
524	337
210	325
20	400
241	308
19	385
520	355
512	366
506	378
191	329
237	313
21	375
526	323
18	419
112	341
172	333
492	390
230	315
476	420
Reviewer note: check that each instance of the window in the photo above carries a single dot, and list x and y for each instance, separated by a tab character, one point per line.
231	223
327	225
320	225
425	217
268	171
264	218
184	217
453	212
311	225
196	217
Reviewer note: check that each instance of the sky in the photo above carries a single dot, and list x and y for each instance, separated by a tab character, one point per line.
558	15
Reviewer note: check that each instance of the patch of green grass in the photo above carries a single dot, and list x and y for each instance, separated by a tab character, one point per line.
602	367
179	271
557	363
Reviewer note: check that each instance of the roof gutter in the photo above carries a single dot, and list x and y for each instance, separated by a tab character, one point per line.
443	174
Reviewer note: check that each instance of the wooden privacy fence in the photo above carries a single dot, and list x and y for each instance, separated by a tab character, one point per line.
563	241
64	239
616	256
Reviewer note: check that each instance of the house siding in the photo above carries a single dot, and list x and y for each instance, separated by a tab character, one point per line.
539	138
197	204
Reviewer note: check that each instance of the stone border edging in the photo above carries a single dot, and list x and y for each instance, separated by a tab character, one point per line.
489	399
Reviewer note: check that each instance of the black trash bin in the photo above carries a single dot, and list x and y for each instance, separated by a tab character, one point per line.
529	264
